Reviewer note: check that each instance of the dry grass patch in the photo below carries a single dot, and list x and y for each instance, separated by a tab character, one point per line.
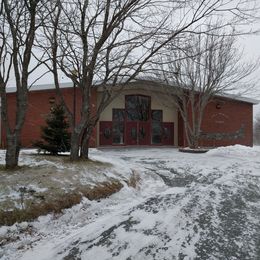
34	210
49	184
103	190
134	180
57	204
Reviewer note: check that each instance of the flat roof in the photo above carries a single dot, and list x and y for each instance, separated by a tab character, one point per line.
70	85
42	87
239	98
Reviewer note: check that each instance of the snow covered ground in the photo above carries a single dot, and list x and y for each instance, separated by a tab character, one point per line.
187	206
50	177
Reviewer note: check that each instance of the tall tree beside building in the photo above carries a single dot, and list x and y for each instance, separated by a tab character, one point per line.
18	25
206	66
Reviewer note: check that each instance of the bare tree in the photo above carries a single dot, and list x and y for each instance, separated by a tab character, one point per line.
208	65
108	43
17	32
95	43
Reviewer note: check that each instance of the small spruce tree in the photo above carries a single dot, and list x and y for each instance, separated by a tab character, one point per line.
55	135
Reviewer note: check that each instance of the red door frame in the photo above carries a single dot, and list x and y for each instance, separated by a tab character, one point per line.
128	125
168	139
129	138
105	133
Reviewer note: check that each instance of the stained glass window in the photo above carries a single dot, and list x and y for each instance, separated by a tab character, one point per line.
137	108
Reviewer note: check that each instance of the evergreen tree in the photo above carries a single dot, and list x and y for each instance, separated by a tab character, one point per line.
55	135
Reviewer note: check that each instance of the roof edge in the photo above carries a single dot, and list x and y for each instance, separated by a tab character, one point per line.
239	98
42	87
155	81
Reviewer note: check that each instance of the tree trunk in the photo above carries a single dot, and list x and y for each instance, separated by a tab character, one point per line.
12	151
194	142
192	129
187	133
85	147
85	142
74	146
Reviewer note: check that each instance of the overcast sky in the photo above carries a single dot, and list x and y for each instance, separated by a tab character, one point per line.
250	43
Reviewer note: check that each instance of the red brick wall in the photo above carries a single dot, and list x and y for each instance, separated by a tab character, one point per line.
38	109
230	118
224	117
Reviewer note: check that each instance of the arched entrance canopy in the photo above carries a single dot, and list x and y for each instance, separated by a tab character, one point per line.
136	124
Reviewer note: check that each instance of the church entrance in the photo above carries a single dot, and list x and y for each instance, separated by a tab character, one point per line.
137	124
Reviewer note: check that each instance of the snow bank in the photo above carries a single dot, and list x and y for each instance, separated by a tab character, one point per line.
236	151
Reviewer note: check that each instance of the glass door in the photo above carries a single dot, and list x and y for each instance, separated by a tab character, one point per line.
137	119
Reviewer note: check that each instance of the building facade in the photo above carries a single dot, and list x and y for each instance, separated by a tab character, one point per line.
141	115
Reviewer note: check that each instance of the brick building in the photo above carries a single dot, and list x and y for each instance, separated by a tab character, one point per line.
141	115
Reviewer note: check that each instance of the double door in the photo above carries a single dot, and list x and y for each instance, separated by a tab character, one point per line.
138	133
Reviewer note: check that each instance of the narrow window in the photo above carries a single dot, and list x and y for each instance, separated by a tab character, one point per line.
156	126
118	126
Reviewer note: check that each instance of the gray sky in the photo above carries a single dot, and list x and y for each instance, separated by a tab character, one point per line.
251	44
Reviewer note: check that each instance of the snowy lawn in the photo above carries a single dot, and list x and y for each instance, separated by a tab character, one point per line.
187	206
45	183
